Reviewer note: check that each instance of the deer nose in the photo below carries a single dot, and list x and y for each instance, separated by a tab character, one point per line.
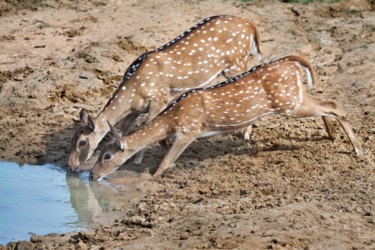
91	177
68	168
73	168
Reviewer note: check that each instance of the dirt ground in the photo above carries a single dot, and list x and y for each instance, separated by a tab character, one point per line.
289	187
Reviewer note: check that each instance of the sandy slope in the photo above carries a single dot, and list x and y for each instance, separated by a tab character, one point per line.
288	187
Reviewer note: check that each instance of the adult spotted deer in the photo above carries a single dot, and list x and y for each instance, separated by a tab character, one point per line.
274	88
217	45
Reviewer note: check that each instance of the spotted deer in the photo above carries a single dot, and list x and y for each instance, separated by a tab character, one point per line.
273	88
217	45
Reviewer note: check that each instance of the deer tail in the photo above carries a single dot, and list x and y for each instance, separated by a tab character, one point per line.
255	44
307	68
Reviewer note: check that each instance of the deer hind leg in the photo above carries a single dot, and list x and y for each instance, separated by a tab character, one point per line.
329	127
327	122
179	145
155	108
311	108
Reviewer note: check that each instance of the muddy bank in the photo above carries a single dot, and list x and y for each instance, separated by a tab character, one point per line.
288	187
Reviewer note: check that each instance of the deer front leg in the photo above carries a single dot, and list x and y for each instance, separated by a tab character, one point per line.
179	145
127	122
155	108
163	145
311	108
247	132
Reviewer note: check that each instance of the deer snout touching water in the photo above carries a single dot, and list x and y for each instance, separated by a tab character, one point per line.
219	45
273	88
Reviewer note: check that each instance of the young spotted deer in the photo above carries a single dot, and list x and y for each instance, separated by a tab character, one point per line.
274	88
217	45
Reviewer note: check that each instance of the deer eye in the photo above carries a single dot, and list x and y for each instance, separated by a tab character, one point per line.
107	156
82	143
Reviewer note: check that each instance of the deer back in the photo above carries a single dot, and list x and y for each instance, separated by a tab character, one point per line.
276	87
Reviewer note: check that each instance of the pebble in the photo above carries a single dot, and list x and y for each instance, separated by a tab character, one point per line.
215	192
355	128
184	236
18	78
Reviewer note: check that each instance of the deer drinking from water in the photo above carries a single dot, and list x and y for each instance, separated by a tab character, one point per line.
273	88
217	45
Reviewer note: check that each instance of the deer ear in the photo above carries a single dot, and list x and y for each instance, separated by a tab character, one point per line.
117	137
83	115
91	123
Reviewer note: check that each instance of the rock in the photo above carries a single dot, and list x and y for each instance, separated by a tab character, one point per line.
40	24
36	238
138	221
86	235
142	206
82	245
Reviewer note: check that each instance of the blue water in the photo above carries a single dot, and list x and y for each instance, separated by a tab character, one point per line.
45	199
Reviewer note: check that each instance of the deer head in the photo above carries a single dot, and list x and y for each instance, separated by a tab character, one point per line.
112	156
84	136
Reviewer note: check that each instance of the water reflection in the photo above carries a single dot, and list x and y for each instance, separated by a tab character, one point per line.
44	199
89	199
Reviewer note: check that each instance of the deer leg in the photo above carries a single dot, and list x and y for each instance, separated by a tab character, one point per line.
247	132
154	110
163	145
180	144
311	108
127	122
329	127
139	156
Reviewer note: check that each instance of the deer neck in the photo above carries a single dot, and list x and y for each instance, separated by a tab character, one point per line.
153	132
118	107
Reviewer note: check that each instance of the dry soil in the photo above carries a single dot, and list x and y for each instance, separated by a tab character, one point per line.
289	187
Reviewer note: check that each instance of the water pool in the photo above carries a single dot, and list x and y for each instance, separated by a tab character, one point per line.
45	199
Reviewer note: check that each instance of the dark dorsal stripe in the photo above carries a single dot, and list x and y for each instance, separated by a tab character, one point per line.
134	66
181	97
187	32
128	74
231	80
